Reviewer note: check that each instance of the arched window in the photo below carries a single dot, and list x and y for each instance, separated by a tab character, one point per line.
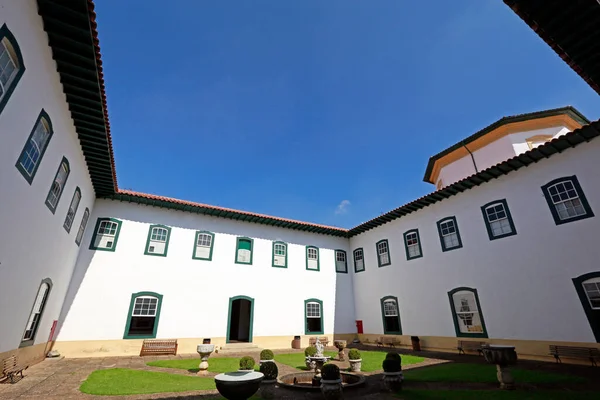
588	290
359	260
383	253
58	185
82	225
35	147
412	244
279	255
157	243
466	312
72	210
390	316
11	65
341	262
312	258
313	316
203	247
566	200
144	312
449	234
106	234
37	311
498	221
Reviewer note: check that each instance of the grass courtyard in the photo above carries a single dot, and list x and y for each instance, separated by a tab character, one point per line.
215	364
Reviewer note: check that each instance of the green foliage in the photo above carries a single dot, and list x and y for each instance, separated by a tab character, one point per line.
390	365
310	351
266	354
393	356
270	370
354	354
247	363
330	372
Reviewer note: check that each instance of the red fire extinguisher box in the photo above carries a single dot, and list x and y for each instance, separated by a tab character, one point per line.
359	326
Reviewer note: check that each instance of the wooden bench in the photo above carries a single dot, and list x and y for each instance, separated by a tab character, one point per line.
591	353
389	341
11	367
323	339
159	346
470	345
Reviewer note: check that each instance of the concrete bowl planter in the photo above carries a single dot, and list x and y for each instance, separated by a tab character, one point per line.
392	381
355	365
331	389
238	385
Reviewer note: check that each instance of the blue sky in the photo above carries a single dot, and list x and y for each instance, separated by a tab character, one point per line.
322	111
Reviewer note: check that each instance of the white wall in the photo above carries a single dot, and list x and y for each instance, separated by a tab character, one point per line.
524	281
33	243
196	292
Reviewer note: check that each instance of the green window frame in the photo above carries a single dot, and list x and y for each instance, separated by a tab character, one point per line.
310	254
35	147
204	241
142	311
498	220
341	261
58	185
468	319
246	245
358	256
382	249
82	226
280	254
251	321
9	44
72	210
390	315
106	234
157	243
587	287
566	200
310	324
449	233
37	313
412	244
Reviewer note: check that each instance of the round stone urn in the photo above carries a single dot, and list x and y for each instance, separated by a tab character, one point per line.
355	365
204	350
502	356
238	385
392	381
341	345
331	389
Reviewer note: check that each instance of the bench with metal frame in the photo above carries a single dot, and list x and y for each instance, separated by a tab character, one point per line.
12	367
590	353
471	346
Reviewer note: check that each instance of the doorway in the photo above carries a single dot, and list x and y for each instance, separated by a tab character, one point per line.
240	319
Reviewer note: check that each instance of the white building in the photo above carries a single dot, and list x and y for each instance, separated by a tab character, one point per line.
504	251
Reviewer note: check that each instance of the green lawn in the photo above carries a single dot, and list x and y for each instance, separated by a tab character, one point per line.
120	381
216	365
457	372
372	360
296	360
492	395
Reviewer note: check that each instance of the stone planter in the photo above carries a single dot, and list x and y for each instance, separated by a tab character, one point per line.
204	350
341	345
355	365
502	356
392	381
267	389
238	385
331	389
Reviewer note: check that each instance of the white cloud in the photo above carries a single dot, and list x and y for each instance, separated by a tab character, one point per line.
342	208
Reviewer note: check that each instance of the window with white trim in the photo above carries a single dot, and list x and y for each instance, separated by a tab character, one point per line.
35	147
498	220
143	316
591	288
314	322
467	312
383	253
449	234
359	260
158	240
58	185
279	254
391	317
312	258
82	225
72	210
244	251
106	234
203	246
413	244
341	265
37	311
11	64
566	200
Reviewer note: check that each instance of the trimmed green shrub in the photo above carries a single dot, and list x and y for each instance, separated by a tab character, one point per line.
390	365
330	372
266	354
354	354
394	356
310	351
270	370
247	363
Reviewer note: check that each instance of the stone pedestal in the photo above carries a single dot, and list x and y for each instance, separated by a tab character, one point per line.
505	377
502	356
341	345
204	350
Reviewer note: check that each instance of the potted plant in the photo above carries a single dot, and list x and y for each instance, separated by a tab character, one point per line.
331	382
247	364
266	356
355	360
267	386
310	351
392	372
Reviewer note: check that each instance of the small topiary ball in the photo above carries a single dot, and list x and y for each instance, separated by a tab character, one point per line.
394	356
330	372
354	354
266	354
270	370
310	351
390	365
247	363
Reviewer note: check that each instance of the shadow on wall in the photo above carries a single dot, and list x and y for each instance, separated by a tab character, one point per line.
344	319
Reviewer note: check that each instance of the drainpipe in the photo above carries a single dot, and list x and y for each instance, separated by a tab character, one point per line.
472	158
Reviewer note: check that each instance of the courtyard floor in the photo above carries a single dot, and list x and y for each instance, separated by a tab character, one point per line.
61	379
